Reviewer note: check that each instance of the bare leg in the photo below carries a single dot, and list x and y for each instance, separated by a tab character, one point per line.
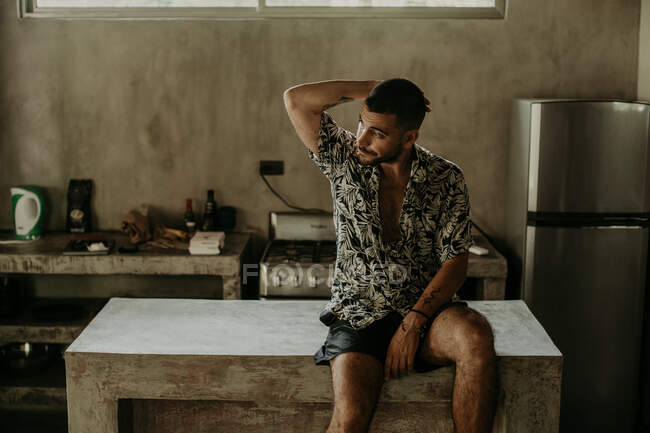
462	335
357	379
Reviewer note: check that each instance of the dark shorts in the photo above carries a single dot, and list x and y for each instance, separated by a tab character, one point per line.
373	339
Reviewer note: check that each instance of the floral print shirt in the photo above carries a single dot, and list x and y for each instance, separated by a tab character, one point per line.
373	276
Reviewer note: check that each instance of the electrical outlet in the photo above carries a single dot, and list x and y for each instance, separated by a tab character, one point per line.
271	167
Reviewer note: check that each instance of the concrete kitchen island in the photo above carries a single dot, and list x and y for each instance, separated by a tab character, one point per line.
180	365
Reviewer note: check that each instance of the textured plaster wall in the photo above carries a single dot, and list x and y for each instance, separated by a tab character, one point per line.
157	111
644	52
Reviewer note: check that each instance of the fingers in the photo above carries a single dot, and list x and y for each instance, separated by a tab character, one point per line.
394	371
402	367
399	360
387	367
387	363
397	365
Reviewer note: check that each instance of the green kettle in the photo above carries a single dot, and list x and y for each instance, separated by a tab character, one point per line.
27	211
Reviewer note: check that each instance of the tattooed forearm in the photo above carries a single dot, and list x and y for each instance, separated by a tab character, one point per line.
341	100
432	296
442	287
429	299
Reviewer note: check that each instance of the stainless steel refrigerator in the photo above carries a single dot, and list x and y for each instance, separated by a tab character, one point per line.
578	207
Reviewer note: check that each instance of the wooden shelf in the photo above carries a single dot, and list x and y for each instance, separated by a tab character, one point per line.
25	327
35	421
44	389
44	256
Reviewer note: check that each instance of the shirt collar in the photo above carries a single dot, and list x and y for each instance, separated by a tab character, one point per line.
418	169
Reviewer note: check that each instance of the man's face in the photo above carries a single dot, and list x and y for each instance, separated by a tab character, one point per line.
378	137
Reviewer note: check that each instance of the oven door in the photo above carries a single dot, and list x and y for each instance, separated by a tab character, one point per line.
312	281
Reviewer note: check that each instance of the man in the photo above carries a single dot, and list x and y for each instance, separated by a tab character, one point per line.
397	207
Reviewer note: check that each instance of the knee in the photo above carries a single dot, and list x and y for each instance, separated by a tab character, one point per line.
350	418
475	340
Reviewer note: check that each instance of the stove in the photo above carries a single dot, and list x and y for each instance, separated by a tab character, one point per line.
298	261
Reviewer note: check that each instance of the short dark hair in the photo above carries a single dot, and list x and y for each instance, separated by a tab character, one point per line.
401	97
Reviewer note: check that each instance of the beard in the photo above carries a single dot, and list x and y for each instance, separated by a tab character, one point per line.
373	159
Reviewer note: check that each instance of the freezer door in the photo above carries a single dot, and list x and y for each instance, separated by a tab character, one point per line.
589	157
586	287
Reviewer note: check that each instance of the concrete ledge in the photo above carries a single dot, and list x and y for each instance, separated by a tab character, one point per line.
242	356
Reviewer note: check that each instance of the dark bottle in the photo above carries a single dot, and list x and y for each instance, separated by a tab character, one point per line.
190	223
210	214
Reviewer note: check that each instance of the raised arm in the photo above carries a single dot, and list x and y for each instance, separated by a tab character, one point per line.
306	102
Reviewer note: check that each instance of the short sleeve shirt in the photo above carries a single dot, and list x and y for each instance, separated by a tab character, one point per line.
373	276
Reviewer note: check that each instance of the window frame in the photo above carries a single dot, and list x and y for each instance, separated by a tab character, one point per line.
29	9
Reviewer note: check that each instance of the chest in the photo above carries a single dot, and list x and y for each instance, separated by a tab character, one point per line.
391	198
368	207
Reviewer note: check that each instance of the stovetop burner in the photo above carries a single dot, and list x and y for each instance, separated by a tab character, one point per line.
299	260
301	252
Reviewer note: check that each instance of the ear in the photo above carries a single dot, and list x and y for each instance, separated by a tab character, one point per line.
409	137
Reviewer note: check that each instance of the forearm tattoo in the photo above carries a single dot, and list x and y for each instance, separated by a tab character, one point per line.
432	296
341	100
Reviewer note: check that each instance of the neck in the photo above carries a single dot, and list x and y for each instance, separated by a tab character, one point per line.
400	169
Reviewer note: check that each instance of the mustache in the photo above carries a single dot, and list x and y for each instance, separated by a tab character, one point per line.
362	150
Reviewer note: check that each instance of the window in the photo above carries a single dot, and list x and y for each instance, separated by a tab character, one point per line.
256	9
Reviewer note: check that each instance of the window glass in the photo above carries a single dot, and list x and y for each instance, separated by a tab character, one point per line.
383	3
253	3
259	9
144	3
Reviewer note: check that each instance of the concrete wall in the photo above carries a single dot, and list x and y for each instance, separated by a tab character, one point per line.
644	52
158	111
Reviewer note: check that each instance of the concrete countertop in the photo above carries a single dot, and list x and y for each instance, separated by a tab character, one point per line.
263	328
44	256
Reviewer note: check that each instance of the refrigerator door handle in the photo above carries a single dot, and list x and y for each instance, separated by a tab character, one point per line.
613	227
